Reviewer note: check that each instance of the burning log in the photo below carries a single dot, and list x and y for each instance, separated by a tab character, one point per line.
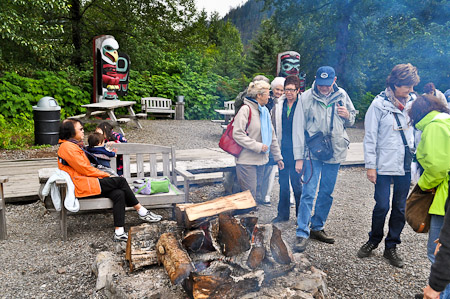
193	215
175	259
233	237
218	281
141	245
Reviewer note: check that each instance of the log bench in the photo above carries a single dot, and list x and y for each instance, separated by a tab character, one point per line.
158	106
3	233
160	161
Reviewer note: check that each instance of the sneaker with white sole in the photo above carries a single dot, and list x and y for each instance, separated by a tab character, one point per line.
150	217
120	238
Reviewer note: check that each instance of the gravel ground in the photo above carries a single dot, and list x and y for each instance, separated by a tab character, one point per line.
34	263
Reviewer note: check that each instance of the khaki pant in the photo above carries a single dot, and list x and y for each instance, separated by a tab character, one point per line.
250	177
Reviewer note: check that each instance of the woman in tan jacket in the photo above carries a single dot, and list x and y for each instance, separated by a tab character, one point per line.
90	181
252	129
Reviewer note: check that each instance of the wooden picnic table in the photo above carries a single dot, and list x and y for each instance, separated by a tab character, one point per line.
108	106
227	113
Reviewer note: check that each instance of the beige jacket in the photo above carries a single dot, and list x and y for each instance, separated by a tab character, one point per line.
252	143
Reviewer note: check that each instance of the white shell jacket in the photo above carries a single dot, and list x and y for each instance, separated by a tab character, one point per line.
383	145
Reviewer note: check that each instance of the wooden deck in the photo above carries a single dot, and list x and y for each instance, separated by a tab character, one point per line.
207	164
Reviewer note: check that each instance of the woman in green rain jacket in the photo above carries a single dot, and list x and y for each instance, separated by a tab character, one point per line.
431	117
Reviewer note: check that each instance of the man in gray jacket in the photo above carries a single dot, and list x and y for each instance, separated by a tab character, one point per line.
319	103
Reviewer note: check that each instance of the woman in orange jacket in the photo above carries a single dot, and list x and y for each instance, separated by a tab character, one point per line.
90	181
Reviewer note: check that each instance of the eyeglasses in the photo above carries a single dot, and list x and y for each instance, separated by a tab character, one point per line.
290	90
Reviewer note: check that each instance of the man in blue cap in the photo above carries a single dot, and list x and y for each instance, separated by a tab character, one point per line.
327	110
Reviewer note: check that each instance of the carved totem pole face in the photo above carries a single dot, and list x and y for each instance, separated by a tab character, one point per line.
111	69
288	64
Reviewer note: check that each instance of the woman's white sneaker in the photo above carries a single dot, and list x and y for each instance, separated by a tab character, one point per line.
150	217
120	238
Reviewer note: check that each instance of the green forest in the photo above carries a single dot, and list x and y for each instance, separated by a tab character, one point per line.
175	49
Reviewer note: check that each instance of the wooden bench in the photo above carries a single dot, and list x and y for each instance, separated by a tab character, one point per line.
229	105
149	161
159	106
3	232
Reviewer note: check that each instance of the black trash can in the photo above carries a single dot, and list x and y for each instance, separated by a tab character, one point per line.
46	115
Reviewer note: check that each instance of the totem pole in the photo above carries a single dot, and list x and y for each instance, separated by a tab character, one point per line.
111	69
288	63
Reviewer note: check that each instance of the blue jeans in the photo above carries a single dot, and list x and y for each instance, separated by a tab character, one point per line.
433	234
328	175
382	206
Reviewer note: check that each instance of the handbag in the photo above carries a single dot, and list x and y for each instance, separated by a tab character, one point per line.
417	206
227	142
409	154
319	144
151	186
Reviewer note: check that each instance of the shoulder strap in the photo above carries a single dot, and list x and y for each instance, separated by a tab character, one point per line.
332	117
400	128
249	117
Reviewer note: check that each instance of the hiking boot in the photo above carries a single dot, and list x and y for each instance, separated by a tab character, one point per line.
151	217
321	235
300	244
279	219
392	256
366	249
120	238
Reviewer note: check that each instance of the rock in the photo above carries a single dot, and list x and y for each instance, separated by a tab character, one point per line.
106	266
61	270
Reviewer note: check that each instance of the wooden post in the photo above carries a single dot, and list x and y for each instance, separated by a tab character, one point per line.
3	232
179	111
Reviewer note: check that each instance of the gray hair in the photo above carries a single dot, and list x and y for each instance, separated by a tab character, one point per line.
261	78
256	88
277	81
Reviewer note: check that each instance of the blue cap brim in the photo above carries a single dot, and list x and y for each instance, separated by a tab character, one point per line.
327	81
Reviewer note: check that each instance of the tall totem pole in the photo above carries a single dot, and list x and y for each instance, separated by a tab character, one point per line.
111	69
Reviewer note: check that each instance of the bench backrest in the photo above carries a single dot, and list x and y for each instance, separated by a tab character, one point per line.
153	160
156	103
229	105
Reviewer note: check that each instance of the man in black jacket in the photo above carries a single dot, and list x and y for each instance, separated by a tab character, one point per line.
440	270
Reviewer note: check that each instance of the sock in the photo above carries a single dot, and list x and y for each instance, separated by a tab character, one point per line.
119	231
142	211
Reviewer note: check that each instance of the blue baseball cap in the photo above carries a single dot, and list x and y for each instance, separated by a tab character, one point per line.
325	75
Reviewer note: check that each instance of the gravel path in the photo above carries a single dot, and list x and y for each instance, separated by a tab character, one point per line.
35	263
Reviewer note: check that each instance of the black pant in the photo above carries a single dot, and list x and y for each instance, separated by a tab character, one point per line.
118	190
284	176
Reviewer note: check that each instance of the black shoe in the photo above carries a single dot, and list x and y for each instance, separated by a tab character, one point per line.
321	235
279	219
300	244
366	249
392	256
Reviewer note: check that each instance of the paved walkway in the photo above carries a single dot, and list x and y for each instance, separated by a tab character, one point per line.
206	163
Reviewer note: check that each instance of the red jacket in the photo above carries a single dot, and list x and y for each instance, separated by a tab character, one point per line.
84	176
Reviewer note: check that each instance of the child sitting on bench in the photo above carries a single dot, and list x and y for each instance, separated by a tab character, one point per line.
102	155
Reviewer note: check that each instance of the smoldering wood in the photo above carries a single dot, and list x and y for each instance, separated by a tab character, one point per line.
220	281
175	259
193	215
233	237
141	245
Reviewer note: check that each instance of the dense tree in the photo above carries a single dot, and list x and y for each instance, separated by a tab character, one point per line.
265	46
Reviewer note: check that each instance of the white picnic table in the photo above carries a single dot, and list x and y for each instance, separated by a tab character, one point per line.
227	113
108	106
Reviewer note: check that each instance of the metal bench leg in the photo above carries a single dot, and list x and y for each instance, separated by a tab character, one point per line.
63	214
3	233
